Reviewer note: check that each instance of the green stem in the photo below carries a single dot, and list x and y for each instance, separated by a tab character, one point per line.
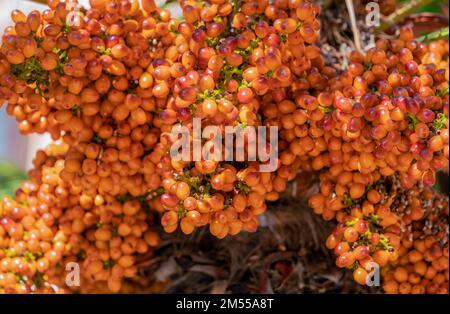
440	34
400	14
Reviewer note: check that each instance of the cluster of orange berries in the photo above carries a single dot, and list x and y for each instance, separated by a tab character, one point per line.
113	81
408	226
30	246
238	57
384	119
423	262
388	114
86	81
46	226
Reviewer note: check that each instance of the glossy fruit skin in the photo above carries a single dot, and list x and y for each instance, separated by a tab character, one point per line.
112	88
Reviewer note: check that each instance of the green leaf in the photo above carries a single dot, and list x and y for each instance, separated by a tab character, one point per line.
413	120
404	10
109	263
442	92
81	255
38	279
31	72
384	242
435	6
242	187
10	178
181	211
439	34
348	200
440	122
